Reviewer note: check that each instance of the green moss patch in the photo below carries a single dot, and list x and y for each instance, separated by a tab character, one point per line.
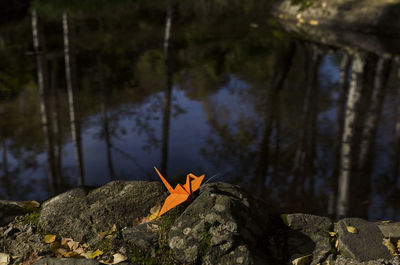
163	253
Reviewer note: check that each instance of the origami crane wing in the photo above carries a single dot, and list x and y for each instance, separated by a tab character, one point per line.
178	196
192	183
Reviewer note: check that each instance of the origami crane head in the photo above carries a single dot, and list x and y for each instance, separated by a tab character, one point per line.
181	193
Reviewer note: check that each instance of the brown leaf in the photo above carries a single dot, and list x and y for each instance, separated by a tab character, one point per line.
31	258
65	240
73	245
31	204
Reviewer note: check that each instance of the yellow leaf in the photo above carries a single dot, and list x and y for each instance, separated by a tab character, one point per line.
71	254
113	229
105	233
352	229
389	245
108	261
313	22
95	254
118	258
332	234
85	245
49	238
302	260
154	211
109	236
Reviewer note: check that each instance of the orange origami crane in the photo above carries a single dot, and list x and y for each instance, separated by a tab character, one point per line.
181	192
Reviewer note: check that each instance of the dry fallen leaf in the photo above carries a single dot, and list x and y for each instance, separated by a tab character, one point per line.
332	234
31	258
73	245
71	254
49	238
4	259
64	241
154	211
93	254
387	243
79	251
352	229
31	204
118	258
302	260
108	232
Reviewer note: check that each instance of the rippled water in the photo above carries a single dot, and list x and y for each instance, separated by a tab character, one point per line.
306	126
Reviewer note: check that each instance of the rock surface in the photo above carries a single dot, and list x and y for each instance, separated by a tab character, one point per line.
368	16
367	25
83	214
224	226
363	244
309	235
11	209
221	225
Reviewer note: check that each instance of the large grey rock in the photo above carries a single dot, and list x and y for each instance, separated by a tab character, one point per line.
348	261
365	245
56	261
309	235
225	226
391	230
83	214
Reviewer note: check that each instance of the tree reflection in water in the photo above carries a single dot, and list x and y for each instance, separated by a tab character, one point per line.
305	126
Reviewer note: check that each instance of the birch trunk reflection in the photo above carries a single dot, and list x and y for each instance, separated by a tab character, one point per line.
168	91
351	134
55	120
75	128
341	107
42	84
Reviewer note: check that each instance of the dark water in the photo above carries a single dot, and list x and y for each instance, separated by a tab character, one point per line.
94	94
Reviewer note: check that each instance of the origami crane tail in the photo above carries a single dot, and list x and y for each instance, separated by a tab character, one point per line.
169	187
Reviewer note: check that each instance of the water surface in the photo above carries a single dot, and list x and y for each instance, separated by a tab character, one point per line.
90	97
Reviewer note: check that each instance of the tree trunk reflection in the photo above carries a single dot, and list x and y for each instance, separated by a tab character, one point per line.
168	91
42	84
75	127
